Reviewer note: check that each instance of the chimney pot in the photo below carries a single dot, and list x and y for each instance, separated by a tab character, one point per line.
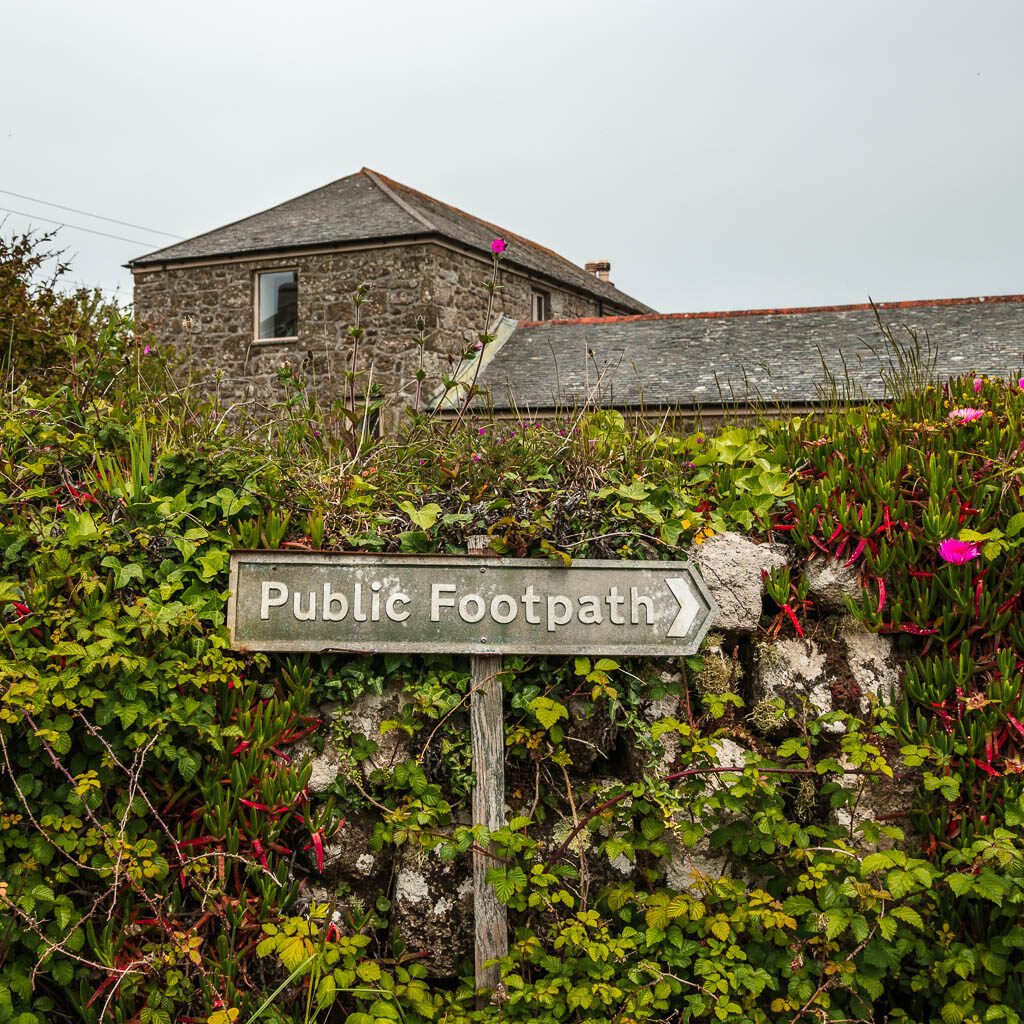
603	269
591	267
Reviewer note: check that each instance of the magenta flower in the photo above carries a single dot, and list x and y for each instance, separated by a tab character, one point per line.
966	415
977	384
146	351
1020	383
958	551
498	246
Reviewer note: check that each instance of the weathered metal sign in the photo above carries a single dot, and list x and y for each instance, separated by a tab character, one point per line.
321	601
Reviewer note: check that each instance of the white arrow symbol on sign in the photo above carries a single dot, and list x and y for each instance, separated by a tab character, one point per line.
689	607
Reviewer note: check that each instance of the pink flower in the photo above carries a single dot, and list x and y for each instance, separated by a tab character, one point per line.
146	351
1020	383
498	246
977	384
958	551
966	415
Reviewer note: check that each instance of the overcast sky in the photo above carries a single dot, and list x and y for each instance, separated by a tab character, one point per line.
723	154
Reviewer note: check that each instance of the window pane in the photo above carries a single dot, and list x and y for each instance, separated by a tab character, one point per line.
279	304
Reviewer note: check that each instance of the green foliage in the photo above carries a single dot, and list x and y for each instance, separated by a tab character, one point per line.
159	840
38	312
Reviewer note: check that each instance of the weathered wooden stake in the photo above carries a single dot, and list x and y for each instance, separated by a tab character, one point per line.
488	729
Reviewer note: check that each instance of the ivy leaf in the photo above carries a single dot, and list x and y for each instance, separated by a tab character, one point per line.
213	562
81	528
425	517
413	542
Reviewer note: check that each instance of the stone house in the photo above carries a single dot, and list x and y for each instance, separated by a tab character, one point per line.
277	288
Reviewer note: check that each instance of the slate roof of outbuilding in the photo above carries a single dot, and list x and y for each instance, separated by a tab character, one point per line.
367	206
684	360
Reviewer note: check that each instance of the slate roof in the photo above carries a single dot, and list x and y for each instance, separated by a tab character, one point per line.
687	359
367	206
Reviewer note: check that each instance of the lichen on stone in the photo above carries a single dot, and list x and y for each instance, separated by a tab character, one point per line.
719	673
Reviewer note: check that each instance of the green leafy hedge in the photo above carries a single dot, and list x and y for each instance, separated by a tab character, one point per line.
159	841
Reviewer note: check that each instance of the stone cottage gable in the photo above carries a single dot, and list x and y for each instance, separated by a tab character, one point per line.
367	207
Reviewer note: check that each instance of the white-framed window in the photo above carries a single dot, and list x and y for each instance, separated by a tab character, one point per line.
541	305
277	305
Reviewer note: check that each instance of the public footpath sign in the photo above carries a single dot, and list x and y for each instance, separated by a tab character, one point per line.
316	601
473	604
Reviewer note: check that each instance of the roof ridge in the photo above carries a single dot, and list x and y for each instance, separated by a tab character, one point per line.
503	232
781	311
380	179
241	220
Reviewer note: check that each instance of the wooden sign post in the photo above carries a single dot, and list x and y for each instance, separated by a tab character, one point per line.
479	605
487	722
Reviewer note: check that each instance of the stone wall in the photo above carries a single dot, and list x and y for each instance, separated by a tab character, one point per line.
207	312
837	666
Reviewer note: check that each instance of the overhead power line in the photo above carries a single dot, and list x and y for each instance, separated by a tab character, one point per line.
86	213
77	227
